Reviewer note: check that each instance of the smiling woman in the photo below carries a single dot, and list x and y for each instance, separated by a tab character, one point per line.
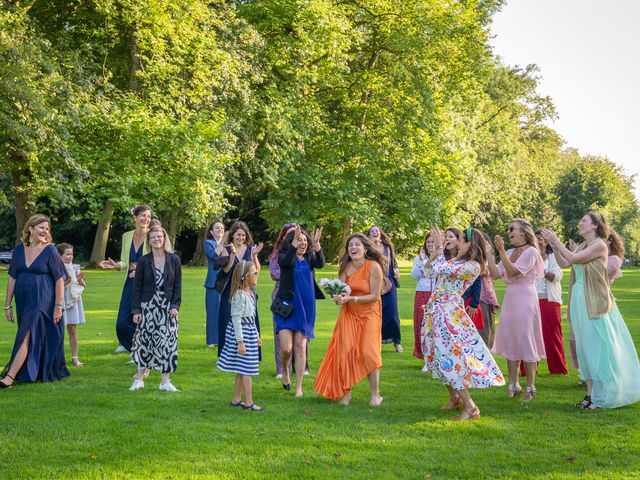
36	278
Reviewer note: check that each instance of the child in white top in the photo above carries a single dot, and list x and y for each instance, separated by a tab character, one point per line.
73	312
241	357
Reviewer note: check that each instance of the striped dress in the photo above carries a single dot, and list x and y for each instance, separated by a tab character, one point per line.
242	327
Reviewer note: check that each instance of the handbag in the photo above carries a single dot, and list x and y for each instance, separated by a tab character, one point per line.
282	307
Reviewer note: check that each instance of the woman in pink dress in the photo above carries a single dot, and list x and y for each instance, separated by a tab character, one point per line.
519	333
616	255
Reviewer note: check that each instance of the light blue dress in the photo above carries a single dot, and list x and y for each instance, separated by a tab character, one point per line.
606	352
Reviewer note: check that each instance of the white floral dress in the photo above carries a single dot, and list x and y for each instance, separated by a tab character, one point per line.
453	348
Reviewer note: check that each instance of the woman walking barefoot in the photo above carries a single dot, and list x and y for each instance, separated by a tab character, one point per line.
454	351
354	351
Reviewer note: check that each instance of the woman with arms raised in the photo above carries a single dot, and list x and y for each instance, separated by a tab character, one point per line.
606	353
454	351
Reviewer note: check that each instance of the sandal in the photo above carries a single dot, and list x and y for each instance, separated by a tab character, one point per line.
253	407
529	394
77	362
239	404
585	403
473	414
514	389
5	385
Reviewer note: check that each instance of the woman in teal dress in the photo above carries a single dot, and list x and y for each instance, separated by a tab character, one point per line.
606	354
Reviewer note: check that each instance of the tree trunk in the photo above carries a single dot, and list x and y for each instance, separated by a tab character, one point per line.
136	64
102	235
199	259
21	200
172	226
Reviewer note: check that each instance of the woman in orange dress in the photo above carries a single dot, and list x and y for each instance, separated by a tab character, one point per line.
354	351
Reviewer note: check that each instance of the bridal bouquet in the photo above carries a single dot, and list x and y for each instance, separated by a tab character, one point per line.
335	287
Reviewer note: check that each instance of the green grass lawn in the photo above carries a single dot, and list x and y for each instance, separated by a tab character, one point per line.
90	426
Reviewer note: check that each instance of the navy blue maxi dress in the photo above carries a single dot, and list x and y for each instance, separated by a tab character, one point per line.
390	316
212	297
35	300
125	328
224	313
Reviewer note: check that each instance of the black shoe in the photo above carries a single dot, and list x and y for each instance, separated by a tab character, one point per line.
585	403
286	386
253	407
4	385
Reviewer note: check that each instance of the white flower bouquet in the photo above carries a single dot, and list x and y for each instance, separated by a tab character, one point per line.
335	287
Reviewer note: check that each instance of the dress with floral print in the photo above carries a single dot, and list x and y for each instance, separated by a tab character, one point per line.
454	351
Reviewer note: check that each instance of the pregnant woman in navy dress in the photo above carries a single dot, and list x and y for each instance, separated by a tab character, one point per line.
36	278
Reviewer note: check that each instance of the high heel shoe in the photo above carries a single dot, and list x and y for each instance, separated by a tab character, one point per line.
514	390
529	394
4	385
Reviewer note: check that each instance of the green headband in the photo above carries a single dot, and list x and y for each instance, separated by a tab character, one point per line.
468	234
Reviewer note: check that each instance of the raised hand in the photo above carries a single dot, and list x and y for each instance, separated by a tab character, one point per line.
499	241
438	237
422	254
109	264
317	234
296	237
572	245
551	238
257	249
488	248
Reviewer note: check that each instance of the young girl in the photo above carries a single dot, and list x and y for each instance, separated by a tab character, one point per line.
73	312
241	357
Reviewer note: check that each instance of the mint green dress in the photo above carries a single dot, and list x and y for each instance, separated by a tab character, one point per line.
606	353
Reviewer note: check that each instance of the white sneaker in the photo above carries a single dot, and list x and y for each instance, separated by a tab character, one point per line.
425	369
279	375
137	385
168	387
120	349
306	372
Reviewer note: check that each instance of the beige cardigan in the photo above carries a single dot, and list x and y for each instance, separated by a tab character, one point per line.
596	287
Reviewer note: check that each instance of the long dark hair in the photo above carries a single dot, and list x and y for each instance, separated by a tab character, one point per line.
548	250
476	251
370	252
616	245
424	244
280	240
385	240
240	225
458	234
240	276
600	221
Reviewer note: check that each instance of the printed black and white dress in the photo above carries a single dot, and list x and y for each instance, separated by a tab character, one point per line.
155	343
242	327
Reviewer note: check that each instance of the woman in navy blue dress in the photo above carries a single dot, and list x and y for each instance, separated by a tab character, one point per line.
240	248
36	278
213	245
298	257
390	316
134	246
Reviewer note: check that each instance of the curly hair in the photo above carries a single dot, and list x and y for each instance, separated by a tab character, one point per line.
616	244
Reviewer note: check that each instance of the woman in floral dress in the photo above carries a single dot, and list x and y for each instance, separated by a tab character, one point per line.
453	349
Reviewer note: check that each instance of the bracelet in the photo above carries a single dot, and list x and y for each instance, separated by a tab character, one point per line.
355	299
8	307
58	305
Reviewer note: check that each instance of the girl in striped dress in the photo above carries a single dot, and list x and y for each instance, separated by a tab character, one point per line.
241	357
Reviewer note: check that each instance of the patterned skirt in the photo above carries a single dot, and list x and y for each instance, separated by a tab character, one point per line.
155	343
230	360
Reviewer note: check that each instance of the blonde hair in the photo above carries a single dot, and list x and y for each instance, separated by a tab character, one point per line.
239	276
33	221
167	241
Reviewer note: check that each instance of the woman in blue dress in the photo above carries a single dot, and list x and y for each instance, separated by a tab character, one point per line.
606	354
36	278
240	248
390	316
215	241
134	246
299	256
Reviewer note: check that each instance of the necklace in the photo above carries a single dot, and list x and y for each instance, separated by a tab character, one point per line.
518	246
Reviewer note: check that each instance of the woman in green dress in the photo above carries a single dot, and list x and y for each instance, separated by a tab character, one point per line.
606	354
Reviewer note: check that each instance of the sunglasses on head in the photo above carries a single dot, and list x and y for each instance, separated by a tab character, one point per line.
289	225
